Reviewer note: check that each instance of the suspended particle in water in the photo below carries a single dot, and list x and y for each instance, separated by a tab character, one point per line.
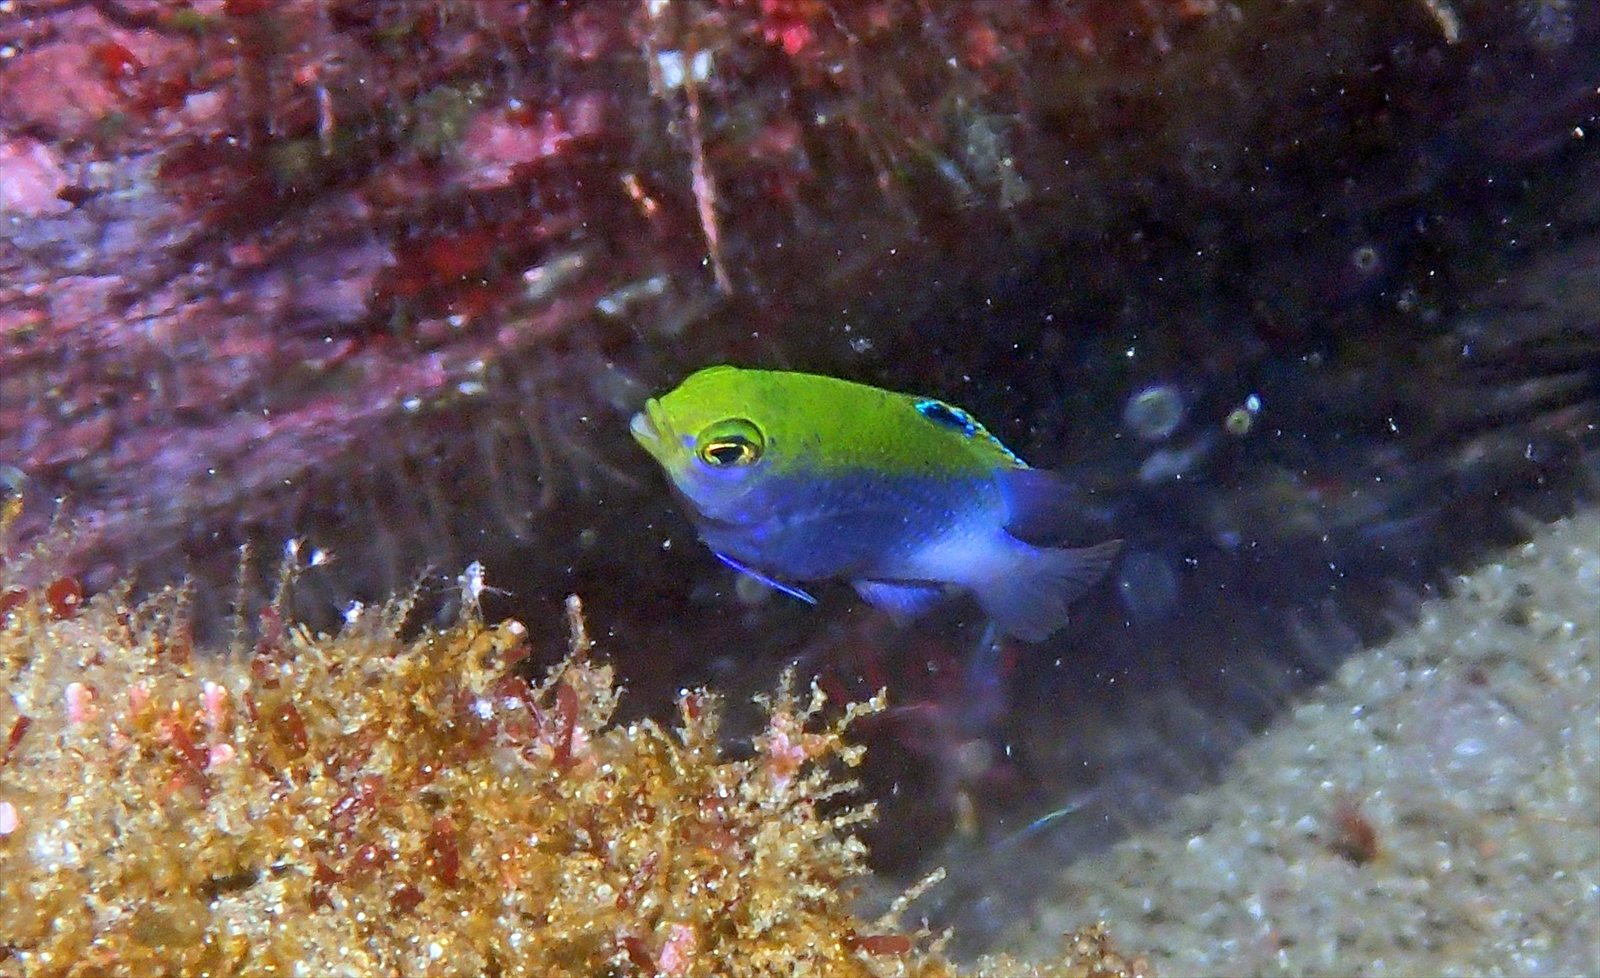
1242	418
1174	463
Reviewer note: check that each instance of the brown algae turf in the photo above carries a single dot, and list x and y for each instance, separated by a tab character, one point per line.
364	804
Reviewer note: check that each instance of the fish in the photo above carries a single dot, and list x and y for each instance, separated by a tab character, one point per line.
793	477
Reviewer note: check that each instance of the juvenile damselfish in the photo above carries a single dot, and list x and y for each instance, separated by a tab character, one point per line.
793	477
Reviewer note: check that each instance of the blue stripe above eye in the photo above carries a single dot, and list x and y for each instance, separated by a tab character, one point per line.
943	414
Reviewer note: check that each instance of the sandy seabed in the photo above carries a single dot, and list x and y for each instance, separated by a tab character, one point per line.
1433	810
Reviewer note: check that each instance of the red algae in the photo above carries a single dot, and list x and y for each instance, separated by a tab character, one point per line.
243	207
64	595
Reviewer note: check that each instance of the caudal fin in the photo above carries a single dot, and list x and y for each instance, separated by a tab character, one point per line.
1030	600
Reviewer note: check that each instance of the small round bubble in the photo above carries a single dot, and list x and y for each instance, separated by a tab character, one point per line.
751	592
1148	586
1154	413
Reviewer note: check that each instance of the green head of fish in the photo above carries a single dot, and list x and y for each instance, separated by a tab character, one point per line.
724	428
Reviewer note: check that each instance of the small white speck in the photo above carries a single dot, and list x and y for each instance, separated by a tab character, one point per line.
472	582
673	70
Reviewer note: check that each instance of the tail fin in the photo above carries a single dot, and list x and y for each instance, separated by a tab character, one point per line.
1030	602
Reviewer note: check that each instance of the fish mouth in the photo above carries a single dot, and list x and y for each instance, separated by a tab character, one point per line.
644	428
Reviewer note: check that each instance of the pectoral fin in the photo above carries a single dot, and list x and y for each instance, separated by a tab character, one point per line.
901	599
788	589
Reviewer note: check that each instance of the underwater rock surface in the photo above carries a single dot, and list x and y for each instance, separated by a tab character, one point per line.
1434	809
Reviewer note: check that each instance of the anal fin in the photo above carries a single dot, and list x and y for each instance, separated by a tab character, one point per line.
1030	600
902	600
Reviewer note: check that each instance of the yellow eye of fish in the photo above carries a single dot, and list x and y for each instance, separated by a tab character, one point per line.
729	443
728	451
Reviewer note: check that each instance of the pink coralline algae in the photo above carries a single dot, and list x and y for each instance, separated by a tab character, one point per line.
497	142
31	179
247	242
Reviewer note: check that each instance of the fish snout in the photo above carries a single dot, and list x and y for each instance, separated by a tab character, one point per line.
644	428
